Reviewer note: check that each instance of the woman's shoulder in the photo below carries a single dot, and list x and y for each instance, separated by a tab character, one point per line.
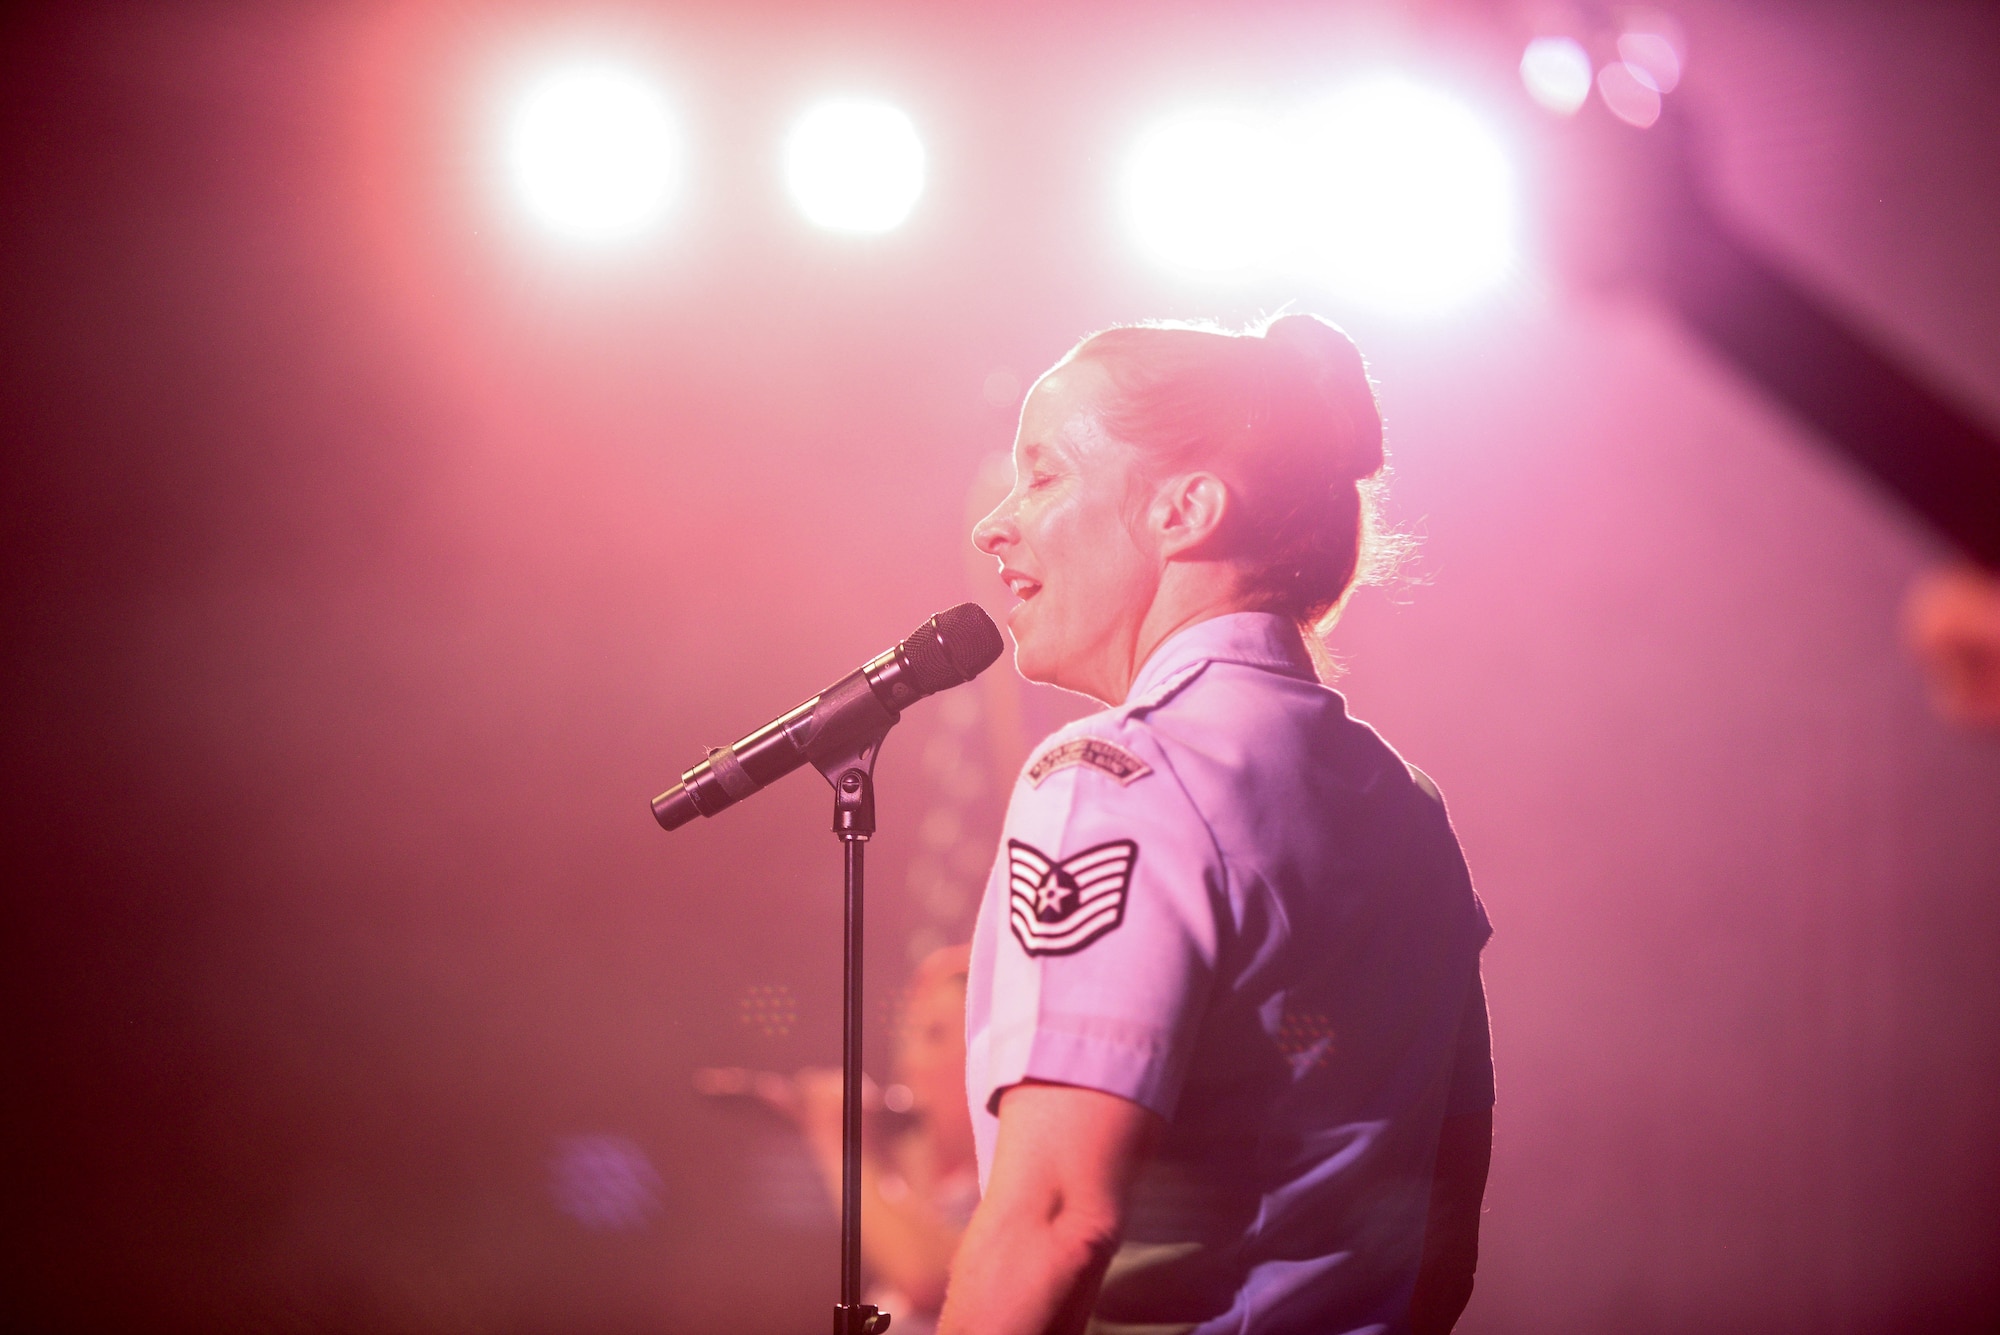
1111	742
1099	789
1128	742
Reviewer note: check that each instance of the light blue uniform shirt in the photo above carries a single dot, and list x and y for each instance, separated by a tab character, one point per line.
1229	902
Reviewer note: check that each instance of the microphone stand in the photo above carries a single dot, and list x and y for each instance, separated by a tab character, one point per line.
851	771
840	733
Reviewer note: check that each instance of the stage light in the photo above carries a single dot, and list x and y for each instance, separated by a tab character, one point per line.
1197	191
1389	193
594	153
1398	197
854	165
1556	71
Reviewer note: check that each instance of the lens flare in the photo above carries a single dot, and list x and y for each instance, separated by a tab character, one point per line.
594	153
855	166
1630	93
1655	54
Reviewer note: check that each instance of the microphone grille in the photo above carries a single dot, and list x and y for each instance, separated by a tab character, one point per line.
954	646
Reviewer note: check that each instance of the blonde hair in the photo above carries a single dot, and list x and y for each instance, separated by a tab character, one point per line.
1286	415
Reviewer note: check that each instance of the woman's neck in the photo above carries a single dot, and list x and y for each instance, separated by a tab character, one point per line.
1190	592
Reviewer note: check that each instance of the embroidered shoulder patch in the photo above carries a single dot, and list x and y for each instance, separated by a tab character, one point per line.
1058	908
1095	752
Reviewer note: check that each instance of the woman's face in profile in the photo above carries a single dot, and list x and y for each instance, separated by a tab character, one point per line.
1065	541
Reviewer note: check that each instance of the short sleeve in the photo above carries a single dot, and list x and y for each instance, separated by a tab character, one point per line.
1472	1060
1108	893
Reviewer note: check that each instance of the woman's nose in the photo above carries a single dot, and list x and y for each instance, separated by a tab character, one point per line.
995	531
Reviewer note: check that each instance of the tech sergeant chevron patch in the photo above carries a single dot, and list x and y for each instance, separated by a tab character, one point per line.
1058	908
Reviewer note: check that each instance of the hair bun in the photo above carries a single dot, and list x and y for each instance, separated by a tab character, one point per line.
1321	372
1287	416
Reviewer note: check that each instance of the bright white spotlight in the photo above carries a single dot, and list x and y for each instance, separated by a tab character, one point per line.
594	153
1556	71
1198	191
1398	197
855	166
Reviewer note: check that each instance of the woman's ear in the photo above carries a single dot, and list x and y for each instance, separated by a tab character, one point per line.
1188	511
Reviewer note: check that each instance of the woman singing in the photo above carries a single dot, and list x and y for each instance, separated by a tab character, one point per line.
1227	1049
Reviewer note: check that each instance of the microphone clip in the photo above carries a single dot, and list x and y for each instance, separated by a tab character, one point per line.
852	774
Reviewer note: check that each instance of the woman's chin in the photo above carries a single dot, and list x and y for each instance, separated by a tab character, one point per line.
1029	659
1028	665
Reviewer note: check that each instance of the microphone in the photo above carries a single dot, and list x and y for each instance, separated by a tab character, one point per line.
950	649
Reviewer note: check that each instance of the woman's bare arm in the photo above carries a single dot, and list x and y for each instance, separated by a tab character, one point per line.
1054	1207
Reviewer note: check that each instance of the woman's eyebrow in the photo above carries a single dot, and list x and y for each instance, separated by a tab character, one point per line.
1049	449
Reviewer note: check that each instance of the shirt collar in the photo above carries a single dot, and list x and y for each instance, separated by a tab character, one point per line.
1257	639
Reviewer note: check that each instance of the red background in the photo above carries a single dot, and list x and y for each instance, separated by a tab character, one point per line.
370	560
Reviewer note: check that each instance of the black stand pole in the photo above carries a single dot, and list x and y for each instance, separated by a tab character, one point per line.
853	780
840	732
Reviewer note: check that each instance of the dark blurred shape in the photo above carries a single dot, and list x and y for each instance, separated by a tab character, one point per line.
1908	436
1629	207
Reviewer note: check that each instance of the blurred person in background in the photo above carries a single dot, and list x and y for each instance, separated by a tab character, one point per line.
1228	1060
1953	623
918	1180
